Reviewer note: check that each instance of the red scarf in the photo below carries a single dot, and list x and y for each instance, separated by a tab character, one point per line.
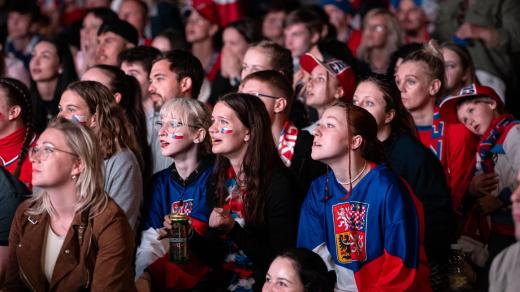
498	127
287	142
10	147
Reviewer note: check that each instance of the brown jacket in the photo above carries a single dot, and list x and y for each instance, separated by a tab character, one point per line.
97	254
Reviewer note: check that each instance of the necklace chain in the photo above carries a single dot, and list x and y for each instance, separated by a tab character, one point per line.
355	178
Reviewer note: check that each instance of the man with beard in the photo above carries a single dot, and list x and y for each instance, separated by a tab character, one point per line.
178	74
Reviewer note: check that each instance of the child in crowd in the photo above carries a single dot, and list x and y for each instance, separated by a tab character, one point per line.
345	217
481	110
92	104
180	188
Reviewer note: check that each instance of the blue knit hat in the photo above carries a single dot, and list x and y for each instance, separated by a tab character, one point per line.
343	5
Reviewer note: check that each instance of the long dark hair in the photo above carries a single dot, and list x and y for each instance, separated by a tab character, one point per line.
259	159
18	95
68	75
403	121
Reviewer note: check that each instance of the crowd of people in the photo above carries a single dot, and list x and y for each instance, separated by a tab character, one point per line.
318	145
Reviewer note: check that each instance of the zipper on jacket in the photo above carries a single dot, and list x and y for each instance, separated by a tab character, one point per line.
26	279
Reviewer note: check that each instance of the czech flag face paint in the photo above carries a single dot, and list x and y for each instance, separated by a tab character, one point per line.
178	136
79	119
226	131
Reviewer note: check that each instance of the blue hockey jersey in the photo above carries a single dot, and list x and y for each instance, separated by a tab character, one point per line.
371	238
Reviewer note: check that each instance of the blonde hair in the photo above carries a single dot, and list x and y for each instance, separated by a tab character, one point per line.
90	184
394	38
191	112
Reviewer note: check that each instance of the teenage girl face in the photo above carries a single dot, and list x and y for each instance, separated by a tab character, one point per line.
88	32
53	164
477	116
175	137
272	25
255	60
321	88
74	108
282	277
234	42
331	136
455	75
45	62
416	85
229	137
371	98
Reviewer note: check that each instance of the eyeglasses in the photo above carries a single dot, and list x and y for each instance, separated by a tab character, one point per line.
45	151
258	94
171	125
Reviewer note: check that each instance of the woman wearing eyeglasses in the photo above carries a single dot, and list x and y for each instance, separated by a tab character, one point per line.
70	236
92	104
180	188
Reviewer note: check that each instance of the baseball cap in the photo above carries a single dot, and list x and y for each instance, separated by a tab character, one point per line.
343	5
336	67
448	107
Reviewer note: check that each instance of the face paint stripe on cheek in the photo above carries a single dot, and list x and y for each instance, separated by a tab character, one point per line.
226	131
178	136
79	119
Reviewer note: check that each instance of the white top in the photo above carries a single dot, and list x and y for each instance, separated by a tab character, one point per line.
51	251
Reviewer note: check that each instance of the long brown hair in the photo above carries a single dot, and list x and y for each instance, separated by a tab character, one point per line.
113	130
259	159
403	121
18	95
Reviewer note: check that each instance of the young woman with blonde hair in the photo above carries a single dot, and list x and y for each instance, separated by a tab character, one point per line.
70	233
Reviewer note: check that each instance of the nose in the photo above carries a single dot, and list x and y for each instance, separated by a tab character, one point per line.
213	128
151	88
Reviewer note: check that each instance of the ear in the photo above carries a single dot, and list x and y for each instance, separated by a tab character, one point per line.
77	167
389	116
435	86
247	136
356	142
92	122
186	85
279	105
492	104
14	112
338	94
199	136
60	70
117	97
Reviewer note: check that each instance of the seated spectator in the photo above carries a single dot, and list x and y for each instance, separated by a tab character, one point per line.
293	145
179	188
459	68
236	37
414	18
504	270
16	129
273	22
20	39
341	14
170	39
483	113
299	270
113	37
380	38
344	217
71	210
52	69
135	12
424	173
13	193
94	18
92	104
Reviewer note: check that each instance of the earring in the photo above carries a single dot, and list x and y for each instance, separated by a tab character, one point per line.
73	177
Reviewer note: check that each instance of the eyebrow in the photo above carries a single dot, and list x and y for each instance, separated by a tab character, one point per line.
284	279
331	117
